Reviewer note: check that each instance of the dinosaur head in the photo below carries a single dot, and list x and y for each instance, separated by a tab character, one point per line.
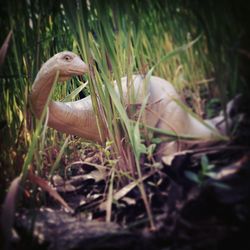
67	63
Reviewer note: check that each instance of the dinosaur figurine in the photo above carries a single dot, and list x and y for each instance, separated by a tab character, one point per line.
78	117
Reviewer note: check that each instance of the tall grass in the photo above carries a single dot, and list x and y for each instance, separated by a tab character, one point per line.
38	32
122	39
116	38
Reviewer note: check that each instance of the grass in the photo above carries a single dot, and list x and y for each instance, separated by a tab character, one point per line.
116	39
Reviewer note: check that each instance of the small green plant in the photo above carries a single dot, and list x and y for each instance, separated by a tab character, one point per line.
212	107
206	171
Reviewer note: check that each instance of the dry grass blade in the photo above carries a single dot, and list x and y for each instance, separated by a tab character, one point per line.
4	48
8	210
46	187
109	201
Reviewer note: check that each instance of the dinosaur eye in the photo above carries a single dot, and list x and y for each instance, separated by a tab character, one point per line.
67	58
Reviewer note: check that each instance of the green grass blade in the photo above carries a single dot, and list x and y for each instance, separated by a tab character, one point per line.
75	92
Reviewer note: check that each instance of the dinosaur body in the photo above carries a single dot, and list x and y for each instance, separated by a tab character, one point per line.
78	117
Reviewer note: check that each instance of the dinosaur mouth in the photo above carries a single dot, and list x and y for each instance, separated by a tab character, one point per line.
75	73
78	70
71	73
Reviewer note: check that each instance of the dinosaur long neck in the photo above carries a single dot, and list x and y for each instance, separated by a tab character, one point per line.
40	91
75	118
